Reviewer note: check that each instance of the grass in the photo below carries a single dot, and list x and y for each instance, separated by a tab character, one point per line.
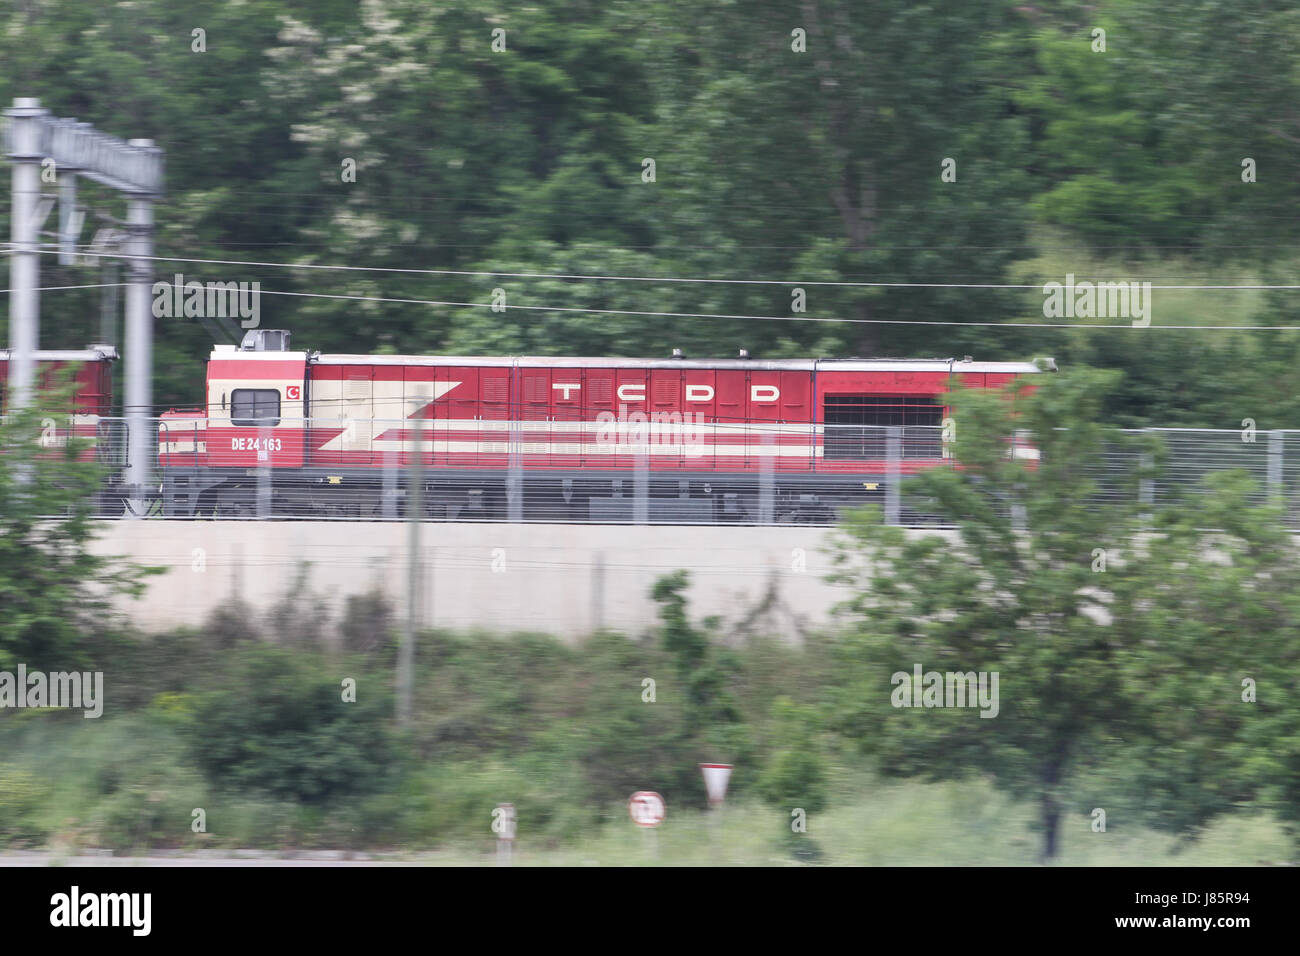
908	824
69	786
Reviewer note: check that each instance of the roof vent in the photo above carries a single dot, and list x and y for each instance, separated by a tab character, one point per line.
677	353
265	340
744	353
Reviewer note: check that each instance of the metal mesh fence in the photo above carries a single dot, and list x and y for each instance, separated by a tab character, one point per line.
1193	454
634	473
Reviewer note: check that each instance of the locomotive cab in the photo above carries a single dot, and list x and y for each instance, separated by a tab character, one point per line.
256	407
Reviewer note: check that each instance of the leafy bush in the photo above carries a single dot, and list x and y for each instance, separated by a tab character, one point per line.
138	817
21	793
794	778
278	725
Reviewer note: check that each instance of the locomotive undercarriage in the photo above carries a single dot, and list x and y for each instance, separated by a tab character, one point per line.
561	497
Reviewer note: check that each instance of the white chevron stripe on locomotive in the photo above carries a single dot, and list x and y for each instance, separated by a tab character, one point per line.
700	450
364	430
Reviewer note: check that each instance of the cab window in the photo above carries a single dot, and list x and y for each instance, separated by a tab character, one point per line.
255	406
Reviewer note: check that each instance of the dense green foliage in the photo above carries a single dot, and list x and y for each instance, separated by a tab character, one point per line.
260	739
1119	637
565	731
279	725
1121	689
56	592
779	155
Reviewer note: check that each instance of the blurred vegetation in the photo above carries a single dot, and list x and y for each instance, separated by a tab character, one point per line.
819	165
291	742
560	730
56	592
1133	642
259	734
770	164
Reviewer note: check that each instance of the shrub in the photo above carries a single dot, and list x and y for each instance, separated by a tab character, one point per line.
20	795
794	778
279	725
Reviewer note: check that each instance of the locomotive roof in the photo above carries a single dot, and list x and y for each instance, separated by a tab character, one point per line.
805	365
96	353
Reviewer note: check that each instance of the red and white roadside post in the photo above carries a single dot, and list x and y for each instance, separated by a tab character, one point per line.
647	810
503	824
716	778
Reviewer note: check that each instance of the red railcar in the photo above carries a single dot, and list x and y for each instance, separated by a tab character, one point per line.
564	438
85	413
88	370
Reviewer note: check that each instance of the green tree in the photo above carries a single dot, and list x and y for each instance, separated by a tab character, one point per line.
59	595
467	154
713	726
1117	636
132	70
698	666
794	775
1142	144
822	156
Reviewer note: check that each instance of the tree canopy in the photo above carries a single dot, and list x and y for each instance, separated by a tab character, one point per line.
1115	630
919	146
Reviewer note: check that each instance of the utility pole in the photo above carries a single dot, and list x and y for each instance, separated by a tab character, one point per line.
414	515
139	343
134	168
108	302
25	124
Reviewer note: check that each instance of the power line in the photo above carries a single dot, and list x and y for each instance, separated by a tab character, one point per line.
785	318
56	288
737	316
1183	247
703	315
50	249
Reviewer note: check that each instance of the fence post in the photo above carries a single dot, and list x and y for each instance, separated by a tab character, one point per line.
414	516
1146	488
598	592
263	476
515	474
766	479
893	471
390	485
641	488
1275	447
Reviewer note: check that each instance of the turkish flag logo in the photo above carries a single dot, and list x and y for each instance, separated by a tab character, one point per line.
293	392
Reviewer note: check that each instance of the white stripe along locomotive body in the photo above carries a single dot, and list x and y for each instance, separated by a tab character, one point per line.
335	434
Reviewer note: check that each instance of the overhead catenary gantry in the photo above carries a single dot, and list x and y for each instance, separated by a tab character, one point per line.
36	142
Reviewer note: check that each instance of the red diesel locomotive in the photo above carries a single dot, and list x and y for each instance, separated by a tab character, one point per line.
88	374
89	371
83	411
565	439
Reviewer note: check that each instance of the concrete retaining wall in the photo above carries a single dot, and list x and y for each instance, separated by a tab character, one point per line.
561	579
